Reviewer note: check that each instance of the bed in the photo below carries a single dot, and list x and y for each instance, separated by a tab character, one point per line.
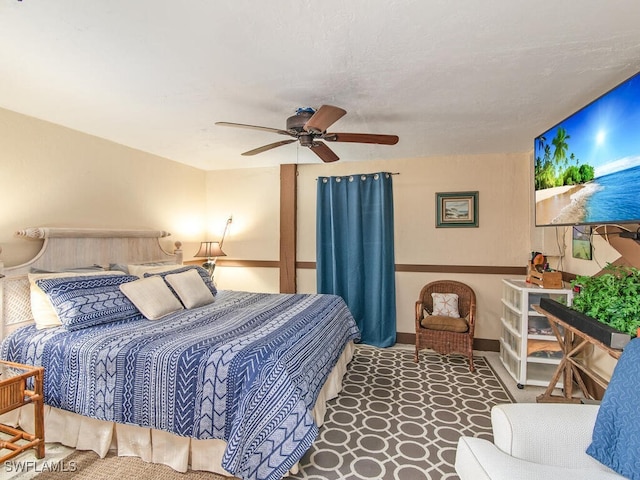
236	385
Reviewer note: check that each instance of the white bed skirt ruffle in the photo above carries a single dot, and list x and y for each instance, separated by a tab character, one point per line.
155	446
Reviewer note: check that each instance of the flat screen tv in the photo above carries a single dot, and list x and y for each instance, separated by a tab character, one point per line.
587	167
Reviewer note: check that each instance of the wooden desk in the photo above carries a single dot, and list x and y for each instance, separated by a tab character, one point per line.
14	394
573	342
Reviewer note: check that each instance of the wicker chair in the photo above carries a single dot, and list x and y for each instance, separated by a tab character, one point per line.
439	337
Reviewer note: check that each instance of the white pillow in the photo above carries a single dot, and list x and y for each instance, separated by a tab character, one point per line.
445	305
140	270
42	310
152	297
190	288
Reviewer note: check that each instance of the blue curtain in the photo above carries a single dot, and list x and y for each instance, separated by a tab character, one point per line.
355	253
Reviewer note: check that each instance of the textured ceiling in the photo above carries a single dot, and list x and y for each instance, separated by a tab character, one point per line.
448	76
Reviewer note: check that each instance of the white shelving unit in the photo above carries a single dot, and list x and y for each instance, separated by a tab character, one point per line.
528	349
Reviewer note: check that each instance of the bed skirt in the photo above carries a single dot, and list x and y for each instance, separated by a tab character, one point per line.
155	446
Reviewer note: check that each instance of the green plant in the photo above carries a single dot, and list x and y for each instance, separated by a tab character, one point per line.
612	297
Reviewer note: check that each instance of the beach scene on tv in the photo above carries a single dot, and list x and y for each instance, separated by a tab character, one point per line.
587	168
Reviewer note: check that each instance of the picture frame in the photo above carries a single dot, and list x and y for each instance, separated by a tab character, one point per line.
456	209
581	242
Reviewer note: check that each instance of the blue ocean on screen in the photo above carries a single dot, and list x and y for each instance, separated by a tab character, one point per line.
617	198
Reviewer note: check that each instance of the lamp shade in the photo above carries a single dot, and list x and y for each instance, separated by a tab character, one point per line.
210	250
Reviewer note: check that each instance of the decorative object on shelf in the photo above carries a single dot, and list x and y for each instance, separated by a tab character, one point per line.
212	250
539	273
545	279
581	242
602	332
456	209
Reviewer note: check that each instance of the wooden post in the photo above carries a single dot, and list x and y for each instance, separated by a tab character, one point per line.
288	225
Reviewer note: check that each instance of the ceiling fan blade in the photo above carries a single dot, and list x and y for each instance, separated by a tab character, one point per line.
324	117
324	152
264	148
361	138
255	127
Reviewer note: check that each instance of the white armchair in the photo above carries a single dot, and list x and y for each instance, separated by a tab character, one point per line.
534	442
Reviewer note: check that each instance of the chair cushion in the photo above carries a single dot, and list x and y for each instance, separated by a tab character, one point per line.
449	324
616	434
445	304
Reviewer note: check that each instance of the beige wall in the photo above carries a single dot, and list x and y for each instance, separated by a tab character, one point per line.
500	180
54	176
502	238
252	197
602	253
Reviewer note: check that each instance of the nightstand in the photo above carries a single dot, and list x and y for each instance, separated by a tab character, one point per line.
16	390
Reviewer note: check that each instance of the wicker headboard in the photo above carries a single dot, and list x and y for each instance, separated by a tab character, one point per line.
65	248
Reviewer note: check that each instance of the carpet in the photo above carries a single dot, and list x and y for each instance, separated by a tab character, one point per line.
89	466
394	420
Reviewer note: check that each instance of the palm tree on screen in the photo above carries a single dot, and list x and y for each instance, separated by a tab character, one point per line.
561	145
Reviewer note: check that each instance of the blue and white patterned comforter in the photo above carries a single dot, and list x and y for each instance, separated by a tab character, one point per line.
246	369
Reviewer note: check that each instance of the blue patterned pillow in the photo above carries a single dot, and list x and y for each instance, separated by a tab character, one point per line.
203	273
82	302
616	434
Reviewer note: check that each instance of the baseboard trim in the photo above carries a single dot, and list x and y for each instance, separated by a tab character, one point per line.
486	345
480	344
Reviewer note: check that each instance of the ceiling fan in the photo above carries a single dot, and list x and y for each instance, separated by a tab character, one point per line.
308	126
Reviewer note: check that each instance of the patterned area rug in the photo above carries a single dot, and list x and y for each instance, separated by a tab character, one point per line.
398	420
394	420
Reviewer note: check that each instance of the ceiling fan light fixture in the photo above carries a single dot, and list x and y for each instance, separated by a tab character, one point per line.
306	140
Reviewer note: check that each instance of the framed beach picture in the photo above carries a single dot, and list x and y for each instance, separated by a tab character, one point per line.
456	209
581	242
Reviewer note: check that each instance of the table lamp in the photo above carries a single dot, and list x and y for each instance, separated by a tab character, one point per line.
211	251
